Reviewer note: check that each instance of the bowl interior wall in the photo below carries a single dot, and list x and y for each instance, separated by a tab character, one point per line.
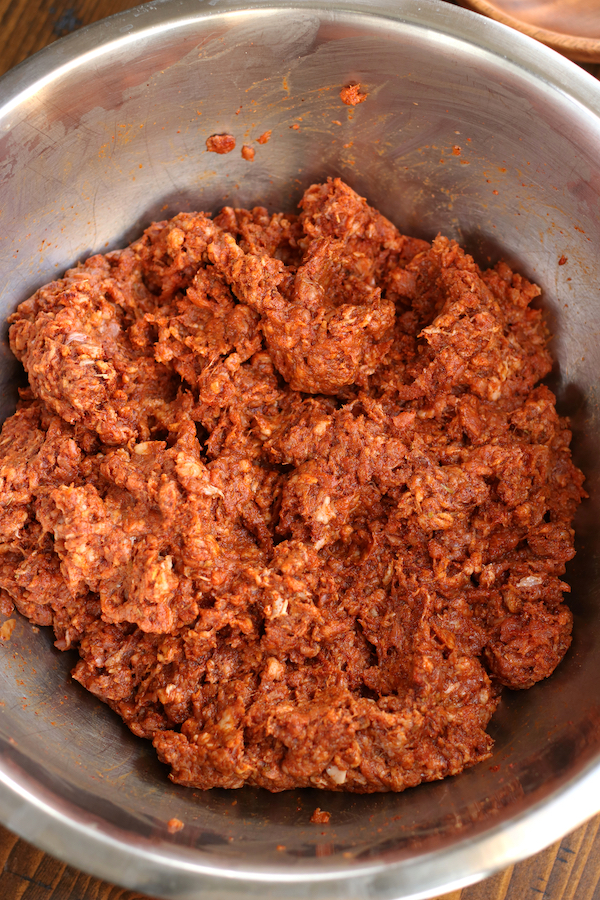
452	139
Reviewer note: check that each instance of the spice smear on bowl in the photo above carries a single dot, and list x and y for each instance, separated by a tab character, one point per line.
292	488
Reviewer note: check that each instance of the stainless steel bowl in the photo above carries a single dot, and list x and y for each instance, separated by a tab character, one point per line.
105	131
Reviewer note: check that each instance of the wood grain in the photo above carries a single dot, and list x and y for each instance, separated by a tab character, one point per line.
574	17
568	870
29	874
28	25
570	26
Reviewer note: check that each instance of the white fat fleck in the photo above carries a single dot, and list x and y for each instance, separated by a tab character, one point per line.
76	337
530	581
280	606
337	775
274	669
209	490
226	722
316	779
326	511
143	449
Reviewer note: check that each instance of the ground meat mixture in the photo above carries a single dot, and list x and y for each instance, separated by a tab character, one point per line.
352	95
220	143
291	487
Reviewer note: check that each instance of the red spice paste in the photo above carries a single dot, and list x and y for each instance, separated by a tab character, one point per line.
292	488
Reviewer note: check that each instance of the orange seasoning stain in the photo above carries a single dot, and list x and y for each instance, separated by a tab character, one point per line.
351	95
220	143
295	127
264	137
320	817
563	260
456	151
174	825
6	629
248	152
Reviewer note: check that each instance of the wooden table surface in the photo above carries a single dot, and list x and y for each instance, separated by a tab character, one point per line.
568	870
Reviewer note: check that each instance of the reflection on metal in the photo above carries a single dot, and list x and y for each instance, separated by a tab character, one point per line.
106	130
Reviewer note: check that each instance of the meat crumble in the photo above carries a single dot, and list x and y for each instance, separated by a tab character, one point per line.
220	143
352	95
292	488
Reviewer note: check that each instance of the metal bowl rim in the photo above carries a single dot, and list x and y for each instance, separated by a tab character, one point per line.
69	836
